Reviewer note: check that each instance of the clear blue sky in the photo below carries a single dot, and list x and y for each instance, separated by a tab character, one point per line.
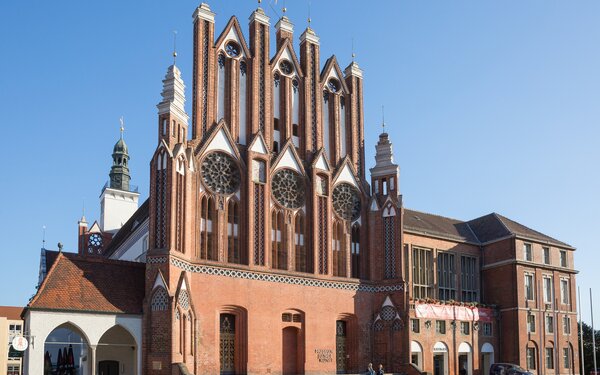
491	106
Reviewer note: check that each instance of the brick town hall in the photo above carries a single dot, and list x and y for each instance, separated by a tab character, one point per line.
266	247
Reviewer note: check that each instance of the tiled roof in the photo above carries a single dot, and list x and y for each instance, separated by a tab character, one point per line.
11	312
438	226
128	228
487	228
77	283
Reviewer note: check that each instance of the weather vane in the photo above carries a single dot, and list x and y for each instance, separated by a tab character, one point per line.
174	46
122	125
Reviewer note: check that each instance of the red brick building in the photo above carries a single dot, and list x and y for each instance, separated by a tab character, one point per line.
269	251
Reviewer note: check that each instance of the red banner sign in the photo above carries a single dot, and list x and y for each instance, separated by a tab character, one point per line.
451	312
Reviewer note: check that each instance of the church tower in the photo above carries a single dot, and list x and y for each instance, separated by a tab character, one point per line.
118	201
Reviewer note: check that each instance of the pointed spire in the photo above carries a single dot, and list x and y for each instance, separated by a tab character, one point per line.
383	120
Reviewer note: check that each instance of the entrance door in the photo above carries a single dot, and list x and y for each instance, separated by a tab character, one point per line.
462	364
108	368
486	363
438	364
290	351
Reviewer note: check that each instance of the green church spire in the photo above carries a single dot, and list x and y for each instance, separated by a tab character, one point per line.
119	172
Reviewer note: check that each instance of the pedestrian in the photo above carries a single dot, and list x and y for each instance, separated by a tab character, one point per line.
380	372
370	370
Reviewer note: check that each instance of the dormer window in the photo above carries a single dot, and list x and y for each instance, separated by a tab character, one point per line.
232	49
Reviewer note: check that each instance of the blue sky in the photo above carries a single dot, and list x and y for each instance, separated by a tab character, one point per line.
491	106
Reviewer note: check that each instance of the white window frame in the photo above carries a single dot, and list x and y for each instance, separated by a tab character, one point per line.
547	288
528	252
531	287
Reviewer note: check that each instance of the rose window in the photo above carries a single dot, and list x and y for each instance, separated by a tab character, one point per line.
232	49
285	66
346	201
220	173
95	243
288	188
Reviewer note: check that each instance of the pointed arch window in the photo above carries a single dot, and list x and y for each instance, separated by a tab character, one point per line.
227	343
160	300
221	87
207	228
355	239
299	243
242	102
278	251
233	232
338	248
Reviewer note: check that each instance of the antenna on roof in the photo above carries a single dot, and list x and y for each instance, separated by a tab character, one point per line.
43	236
174	46
383	118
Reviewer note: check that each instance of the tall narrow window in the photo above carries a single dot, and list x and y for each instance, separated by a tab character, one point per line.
527	252
355	236
468	268
564	291
563	258
530	323
221	87
529	289
233	235
546	255
259	178
389	246
301	253
295	112
326	129
566	325
276	112
549	324
567	357
550	358
340	346
343	147
530	358
243	105
323	234
278	251
227	343
422	273
446	276
207	216
338	249
547	289
180	205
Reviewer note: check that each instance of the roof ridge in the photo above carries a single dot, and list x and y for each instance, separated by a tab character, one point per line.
428	213
499	218
531	229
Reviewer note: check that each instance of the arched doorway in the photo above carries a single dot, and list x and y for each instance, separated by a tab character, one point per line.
440	358
66	348
290	351
465	359
116	352
487	357
416	354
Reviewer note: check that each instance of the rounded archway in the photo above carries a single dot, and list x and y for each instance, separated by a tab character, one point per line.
67	349
440	358
465	359
116	352
487	357
416	354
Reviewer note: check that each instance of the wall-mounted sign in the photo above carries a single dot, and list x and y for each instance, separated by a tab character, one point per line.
324	355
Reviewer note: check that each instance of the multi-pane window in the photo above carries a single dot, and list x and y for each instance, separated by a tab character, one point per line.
422	273
233	232
547	289
527	252
546	255
446	276
566	357
278	251
13	370
530	358
465	328
468	269
440	326
531	323
486	329
549	358
415	325
301	254
549	324
355	249
529	294
563	258
564	291
566	325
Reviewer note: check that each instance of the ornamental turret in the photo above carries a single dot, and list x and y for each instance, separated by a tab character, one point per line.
119	172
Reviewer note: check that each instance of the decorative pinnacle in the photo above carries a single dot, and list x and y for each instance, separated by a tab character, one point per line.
122	126
383	118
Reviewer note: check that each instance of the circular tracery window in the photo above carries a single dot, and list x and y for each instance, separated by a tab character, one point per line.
346	201
288	188
232	49
95	244
285	66
220	173
333	85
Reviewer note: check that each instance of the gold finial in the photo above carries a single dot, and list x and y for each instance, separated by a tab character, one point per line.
353	54
383	118
284	9
122	126
309	20
174	46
